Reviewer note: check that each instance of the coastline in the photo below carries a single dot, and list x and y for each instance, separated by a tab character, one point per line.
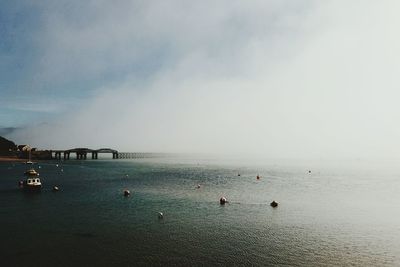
11	159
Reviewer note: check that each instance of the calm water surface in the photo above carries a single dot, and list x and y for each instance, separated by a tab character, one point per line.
342	214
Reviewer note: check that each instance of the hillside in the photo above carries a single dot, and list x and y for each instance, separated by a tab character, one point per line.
6	145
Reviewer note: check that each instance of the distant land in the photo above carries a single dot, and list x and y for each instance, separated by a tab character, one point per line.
9	151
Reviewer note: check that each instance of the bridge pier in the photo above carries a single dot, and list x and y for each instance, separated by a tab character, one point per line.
95	155
57	155
80	155
66	155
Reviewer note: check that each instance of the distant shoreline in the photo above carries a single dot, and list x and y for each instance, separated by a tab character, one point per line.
10	159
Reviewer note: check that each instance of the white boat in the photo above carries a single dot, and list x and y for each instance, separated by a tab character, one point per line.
32	180
29	162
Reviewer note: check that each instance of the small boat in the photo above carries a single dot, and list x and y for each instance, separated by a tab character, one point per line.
31	172
32	181
29	162
32	184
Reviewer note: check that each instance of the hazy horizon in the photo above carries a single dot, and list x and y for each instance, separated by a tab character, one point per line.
276	79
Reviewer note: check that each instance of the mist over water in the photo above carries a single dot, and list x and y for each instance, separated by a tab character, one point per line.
275	79
303	93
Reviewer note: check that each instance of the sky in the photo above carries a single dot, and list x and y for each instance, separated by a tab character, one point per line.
298	79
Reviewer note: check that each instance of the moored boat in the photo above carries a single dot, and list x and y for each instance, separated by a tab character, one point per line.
32	180
31	172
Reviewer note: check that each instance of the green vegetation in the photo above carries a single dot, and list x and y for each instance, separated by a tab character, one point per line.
7	147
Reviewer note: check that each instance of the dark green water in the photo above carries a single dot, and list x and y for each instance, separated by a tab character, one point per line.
339	215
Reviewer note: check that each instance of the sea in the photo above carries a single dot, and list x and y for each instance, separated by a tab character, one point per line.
330	213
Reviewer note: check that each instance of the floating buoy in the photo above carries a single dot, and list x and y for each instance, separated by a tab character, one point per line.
222	201
309	171
274	204
127	192
160	215
198	186
55	188
238	174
